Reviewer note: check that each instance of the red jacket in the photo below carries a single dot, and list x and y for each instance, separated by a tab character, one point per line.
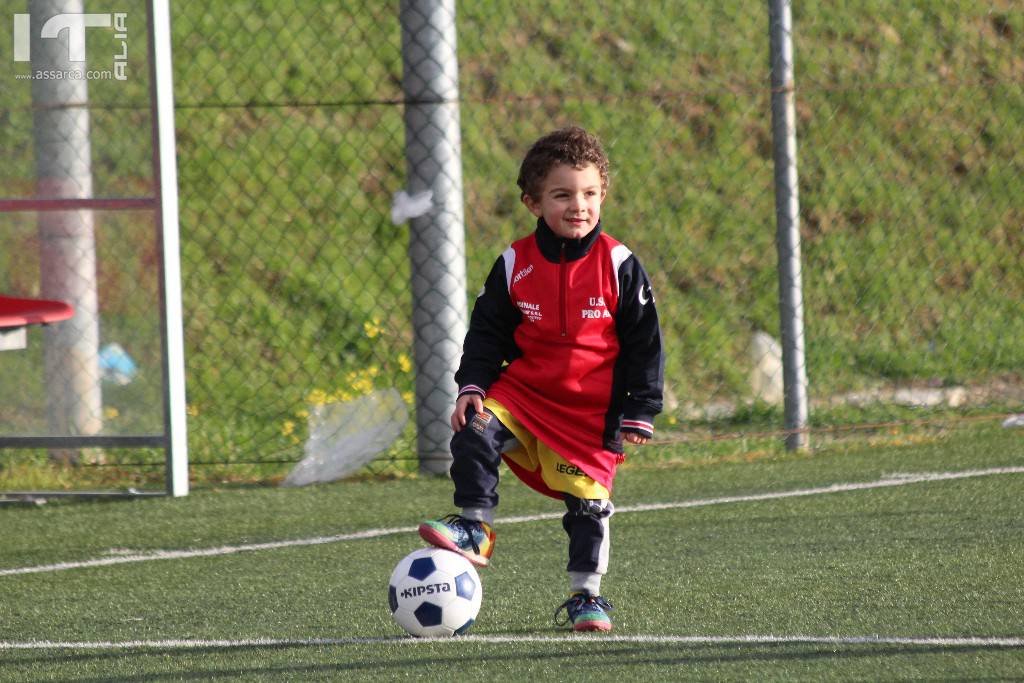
576	324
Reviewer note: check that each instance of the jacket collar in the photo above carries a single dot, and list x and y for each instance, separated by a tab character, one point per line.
550	244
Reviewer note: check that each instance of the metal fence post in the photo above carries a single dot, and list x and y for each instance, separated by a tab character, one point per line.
430	83
66	238
787	217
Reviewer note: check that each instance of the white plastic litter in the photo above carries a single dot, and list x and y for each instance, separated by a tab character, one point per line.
405	206
345	436
1014	421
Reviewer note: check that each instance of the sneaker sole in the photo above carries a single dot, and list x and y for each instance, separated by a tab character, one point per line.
592	626
439	540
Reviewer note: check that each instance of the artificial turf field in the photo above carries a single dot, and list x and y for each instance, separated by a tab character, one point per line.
873	563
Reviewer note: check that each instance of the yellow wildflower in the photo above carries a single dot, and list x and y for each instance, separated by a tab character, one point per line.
363	386
372	327
317	397
404	362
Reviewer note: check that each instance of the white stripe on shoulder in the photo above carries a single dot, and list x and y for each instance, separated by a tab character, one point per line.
509	257
620	253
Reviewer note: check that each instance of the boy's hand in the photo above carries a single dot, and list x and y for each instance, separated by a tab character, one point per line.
633	437
459	416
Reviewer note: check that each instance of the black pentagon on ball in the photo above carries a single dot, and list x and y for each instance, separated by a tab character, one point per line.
421	568
465	586
392	598
428	614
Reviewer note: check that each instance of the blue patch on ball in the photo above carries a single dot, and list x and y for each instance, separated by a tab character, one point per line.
465	586
392	598
465	627
422	568
428	614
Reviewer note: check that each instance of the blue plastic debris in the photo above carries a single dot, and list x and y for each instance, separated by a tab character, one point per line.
116	365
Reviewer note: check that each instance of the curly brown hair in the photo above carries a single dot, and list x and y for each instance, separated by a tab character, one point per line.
571	146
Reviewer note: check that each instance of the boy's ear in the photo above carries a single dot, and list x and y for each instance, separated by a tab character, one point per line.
532	205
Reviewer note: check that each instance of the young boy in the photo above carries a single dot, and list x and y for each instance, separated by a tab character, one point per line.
561	363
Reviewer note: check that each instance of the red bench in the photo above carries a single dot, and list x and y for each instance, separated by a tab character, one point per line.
17	314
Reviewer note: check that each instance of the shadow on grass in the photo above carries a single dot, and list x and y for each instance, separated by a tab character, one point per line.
599	658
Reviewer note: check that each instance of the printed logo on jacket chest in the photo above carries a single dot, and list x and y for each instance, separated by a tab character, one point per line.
596	308
522	273
530	311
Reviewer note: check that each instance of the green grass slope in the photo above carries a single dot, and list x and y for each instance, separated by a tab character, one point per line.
290	146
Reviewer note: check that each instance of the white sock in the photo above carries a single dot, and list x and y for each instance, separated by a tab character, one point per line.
585	582
479	514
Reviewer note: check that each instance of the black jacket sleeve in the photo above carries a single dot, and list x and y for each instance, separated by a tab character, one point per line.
489	342
640	368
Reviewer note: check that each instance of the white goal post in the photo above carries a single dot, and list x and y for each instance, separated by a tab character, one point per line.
166	169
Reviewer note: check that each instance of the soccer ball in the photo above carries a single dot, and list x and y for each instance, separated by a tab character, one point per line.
434	593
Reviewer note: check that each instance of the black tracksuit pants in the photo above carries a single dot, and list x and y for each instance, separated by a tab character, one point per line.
477	449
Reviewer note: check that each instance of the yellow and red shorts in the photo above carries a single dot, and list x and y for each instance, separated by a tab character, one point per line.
540	467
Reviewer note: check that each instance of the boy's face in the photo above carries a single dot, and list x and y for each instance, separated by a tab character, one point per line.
570	200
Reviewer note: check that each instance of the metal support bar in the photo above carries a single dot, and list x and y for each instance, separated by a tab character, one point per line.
75	442
67	243
787	217
433	153
78	203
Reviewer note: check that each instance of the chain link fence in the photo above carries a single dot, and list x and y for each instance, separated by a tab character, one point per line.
79	225
292	143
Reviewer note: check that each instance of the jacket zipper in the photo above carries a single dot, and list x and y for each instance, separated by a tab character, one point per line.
562	286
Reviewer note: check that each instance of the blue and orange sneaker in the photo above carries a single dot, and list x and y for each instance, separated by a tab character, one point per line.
471	539
586	612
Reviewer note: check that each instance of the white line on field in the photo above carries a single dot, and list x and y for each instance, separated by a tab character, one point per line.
750	639
122	558
151	555
902	479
